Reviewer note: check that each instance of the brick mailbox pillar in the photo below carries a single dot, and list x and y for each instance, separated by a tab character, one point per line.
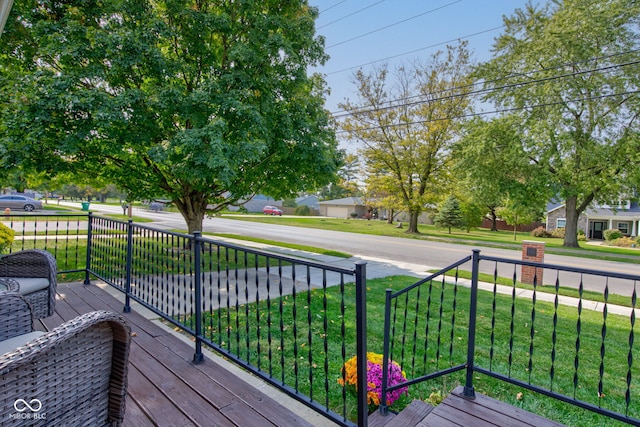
533	252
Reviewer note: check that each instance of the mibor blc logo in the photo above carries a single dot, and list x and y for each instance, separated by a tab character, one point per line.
28	410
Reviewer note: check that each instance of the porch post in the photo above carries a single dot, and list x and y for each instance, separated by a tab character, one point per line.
87	266
198	357
128	267
468	391
361	342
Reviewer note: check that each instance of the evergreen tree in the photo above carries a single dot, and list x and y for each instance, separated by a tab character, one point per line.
449	215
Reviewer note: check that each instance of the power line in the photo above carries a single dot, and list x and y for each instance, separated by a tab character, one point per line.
530	73
505	110
351	14
416	50
331	7
394	24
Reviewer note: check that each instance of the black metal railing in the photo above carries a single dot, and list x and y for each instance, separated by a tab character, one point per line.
293	322
278	316
65	236
567	348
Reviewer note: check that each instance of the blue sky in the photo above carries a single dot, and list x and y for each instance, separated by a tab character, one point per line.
414	29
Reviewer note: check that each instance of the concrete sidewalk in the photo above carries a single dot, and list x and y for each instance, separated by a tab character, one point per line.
380	268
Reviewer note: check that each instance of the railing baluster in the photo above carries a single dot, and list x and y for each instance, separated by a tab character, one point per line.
554	337
632	322
576	360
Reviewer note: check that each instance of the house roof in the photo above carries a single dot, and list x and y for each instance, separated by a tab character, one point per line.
598	212
633	211
347	201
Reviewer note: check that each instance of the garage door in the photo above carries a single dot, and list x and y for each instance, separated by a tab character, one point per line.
338	211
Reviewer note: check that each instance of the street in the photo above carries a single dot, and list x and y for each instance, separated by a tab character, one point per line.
430	254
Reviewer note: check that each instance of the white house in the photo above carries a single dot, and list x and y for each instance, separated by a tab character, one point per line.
622	215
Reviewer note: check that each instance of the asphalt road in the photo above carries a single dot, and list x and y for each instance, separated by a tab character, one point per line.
428	253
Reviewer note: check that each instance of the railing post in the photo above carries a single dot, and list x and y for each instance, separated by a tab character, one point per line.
128	266
361	341
469	392
384	408
87	268
197	244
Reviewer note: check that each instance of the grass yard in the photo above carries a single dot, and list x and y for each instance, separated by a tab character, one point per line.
430	232
313	325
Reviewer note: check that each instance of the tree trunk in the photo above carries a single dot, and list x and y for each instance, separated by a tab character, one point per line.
413	223
571	228
390	217
494	219
193	215
194	222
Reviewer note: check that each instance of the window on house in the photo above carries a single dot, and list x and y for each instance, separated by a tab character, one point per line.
623	227
561	223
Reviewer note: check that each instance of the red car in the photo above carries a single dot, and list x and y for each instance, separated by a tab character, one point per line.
272	210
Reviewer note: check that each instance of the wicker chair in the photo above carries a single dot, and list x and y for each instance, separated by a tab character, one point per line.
75	374
35	272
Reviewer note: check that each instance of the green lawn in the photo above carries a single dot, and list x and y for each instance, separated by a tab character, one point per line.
313	323
430	232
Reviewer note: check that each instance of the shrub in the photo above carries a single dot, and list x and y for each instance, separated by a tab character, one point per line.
613	234
303	210
558	233
582	237
6	238
540	232
638	240
623	242
353	215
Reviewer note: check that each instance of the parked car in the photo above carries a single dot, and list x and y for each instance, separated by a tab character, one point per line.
17	201
272	210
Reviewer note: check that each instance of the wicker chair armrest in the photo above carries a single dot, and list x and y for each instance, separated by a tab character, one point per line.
32	263
15	315
77	371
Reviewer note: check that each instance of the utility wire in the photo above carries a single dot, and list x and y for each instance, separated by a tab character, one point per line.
505	110
416	50
394	24
351	14
477	92
331	7
529	73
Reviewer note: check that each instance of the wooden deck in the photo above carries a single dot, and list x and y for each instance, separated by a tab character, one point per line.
457	411
166	388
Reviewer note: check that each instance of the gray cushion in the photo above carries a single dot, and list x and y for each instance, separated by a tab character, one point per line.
15	342
29	285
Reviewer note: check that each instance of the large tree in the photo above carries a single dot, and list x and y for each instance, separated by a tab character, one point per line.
491	167
406	127
568	73
200	101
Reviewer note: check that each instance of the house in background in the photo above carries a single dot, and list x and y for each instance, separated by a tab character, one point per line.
312	201
342	208
256	204
623	215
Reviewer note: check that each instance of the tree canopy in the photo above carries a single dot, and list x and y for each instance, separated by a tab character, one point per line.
567	73
407	124
203	102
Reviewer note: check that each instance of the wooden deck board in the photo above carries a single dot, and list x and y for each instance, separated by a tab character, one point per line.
165	387
482	411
